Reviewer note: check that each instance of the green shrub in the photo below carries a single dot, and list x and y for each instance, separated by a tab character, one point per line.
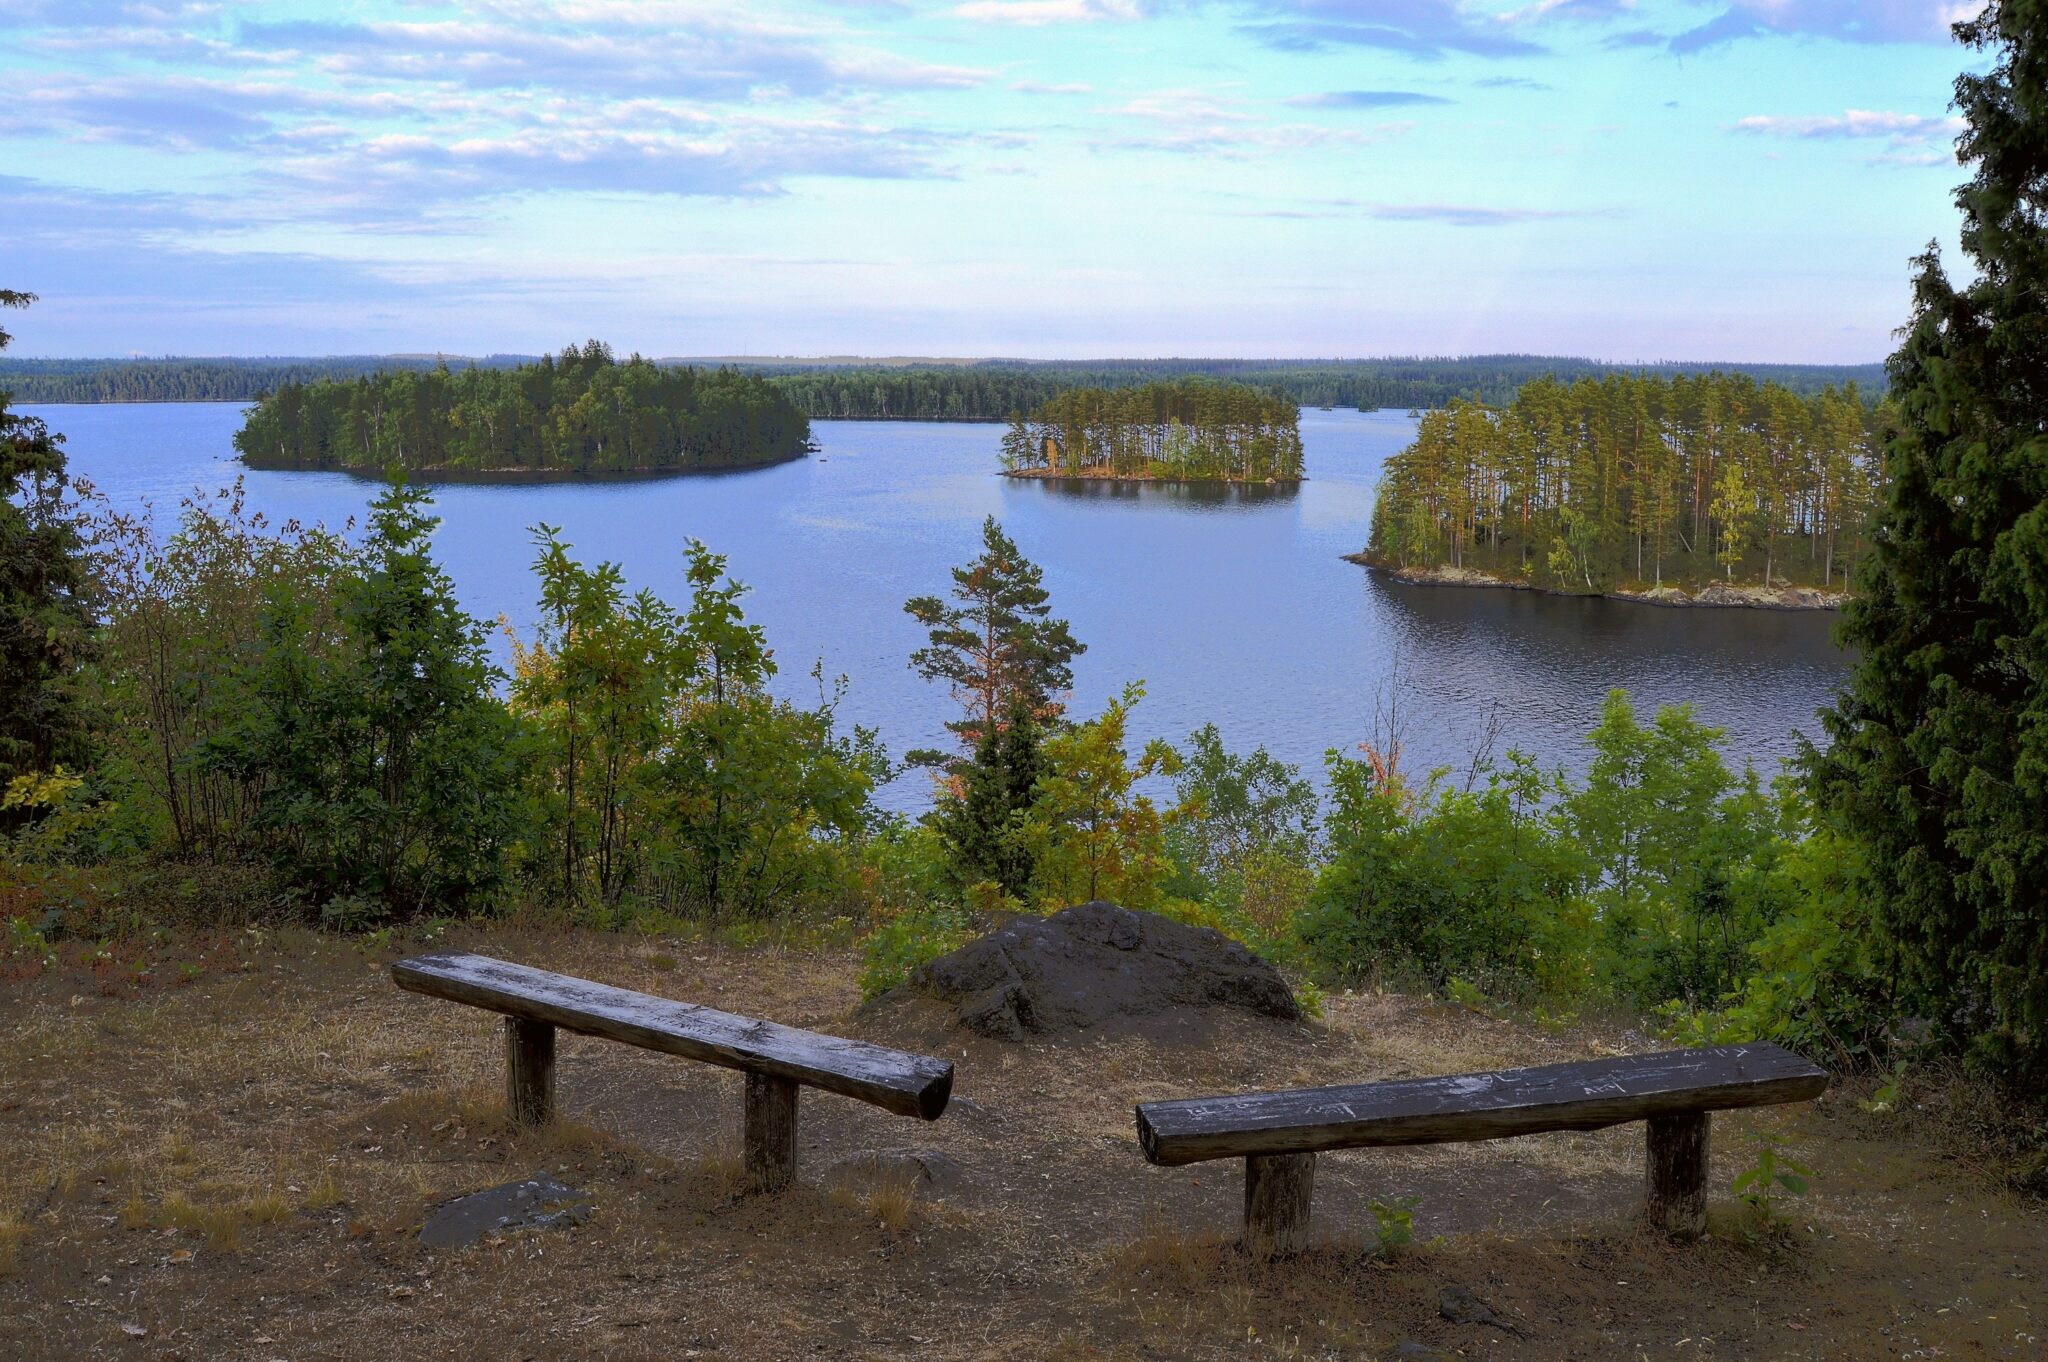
894	950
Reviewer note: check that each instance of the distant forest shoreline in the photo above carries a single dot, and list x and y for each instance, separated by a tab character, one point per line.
976	391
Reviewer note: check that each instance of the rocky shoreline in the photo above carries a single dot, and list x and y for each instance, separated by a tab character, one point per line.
1060	475
1714	594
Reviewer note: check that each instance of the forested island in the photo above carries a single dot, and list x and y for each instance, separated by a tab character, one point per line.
1744	492
581	413
1191	431
916	390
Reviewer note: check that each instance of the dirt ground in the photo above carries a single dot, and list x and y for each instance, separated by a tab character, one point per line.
225	1150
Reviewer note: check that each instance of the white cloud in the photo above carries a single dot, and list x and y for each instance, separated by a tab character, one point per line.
1034	13
1902	129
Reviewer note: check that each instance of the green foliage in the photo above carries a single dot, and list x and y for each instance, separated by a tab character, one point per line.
1447	882
47	594
983	826
1243	838
665	768
1659	881
1092	834
1939	762
997	645
581	412
385	767
1393	1224
1684	851
170	681
1192	429
892	952
1635	478
1759	1186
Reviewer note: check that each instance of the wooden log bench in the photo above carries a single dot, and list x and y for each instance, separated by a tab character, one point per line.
777	1060
1279	1134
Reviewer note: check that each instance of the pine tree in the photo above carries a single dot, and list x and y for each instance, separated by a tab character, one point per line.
46	594
1939	762
999	644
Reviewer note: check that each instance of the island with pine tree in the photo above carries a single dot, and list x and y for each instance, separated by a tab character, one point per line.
1186	431
580	414
1709	489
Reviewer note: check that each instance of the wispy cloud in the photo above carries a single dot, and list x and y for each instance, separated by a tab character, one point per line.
1443	214
708	57
1032	87
1364	99
1901	129
1207	122
1034	13
1590	10
1427	29
1855	21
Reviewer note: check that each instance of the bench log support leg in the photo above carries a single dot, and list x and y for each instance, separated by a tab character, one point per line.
1277	1192
1675	1177
770	1133
529	1070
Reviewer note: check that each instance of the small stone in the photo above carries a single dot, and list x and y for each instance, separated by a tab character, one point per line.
1460	1306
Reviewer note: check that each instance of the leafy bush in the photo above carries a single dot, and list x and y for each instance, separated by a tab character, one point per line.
386	767
894	950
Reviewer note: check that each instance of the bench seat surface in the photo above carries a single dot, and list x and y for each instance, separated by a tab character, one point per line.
896	1080
1582	1095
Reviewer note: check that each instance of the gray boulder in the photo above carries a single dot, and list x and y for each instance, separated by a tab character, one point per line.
1100	965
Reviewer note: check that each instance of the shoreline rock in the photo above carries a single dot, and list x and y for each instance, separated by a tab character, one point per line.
1714	595
1049	475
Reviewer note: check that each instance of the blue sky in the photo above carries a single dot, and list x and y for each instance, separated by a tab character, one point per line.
1734	179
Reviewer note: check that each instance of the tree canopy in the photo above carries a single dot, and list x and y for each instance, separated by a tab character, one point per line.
1637	479
582	412
45	592
997	643
1192	429
1939	763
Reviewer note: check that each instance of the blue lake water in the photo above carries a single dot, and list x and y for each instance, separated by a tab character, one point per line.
1231	606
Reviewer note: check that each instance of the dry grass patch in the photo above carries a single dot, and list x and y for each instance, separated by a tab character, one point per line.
297	1105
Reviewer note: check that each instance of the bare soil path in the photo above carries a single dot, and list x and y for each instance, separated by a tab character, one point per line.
235	1166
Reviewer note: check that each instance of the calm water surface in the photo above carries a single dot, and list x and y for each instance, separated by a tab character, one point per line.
1230	606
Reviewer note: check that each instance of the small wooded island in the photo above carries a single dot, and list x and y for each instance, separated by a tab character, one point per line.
1711	489
1187	431
580	414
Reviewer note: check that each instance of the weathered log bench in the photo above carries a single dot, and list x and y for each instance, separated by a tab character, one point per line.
1278	1134
777	1060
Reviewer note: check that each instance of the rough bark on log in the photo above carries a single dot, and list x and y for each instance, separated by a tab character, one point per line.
1278	1189
529	1070
1675	1174
770	1133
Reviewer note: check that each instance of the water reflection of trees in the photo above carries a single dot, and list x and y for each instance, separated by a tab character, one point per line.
1172	493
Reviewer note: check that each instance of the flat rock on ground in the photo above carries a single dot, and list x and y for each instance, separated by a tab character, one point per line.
538	1202
920	1170
1099	965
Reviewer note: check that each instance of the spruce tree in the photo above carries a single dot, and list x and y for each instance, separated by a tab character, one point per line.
45	593
983	828
1939	761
